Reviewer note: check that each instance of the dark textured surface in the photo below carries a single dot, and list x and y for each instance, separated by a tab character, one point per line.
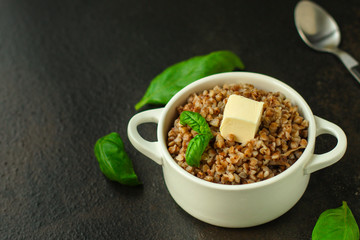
71	72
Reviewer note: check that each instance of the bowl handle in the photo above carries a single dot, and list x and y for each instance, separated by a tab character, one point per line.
149	149
320	161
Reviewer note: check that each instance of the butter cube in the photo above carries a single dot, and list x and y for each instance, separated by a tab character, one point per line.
242	117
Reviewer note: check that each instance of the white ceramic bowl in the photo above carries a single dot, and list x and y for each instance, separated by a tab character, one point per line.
236	205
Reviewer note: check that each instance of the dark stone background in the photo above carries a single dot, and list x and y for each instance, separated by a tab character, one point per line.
71	71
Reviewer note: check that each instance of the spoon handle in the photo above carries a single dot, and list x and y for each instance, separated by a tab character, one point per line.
355	71
350	63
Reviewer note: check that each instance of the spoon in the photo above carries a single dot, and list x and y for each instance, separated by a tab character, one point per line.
318	30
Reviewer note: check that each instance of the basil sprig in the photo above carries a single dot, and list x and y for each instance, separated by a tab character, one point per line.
114	163
198	144
165	85
338	223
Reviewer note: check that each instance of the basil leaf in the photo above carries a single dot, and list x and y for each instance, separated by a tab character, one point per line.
195	121
198	144
165	85
195	149
114	163
338	223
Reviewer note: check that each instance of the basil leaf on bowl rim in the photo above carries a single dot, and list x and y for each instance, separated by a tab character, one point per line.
165	85
114	162
338	223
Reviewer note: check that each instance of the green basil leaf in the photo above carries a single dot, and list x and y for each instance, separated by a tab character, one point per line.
198	144
114	163
338	223
196	148
165	85
195	121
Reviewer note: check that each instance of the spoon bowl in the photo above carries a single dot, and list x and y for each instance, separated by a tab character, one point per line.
319	30
316	27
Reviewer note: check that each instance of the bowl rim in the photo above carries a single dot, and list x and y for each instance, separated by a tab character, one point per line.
295	97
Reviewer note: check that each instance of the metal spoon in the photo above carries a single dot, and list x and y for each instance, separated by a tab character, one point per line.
320	32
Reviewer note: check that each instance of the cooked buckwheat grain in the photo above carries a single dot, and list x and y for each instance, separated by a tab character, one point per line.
277	145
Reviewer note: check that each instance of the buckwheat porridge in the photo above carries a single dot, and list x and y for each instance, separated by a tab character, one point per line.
278	143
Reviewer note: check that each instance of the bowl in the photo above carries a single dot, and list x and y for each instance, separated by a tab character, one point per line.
236	206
